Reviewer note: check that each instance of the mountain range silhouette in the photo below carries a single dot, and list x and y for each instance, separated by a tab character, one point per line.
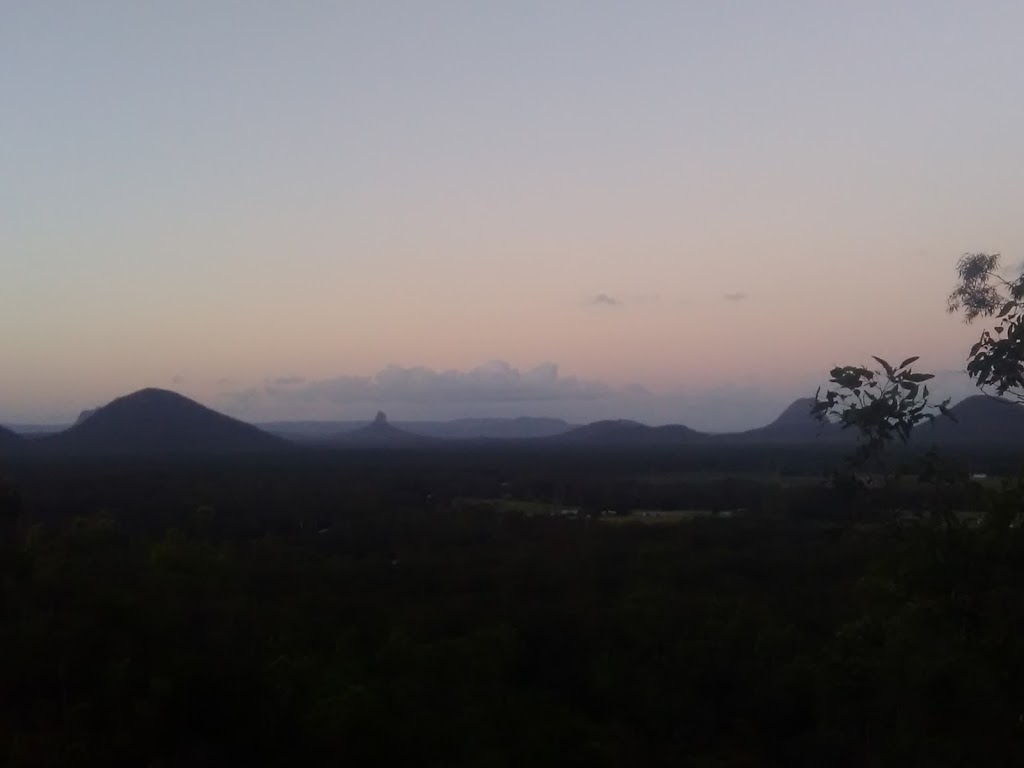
158	421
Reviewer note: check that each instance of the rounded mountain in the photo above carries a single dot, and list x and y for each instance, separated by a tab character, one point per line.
158	421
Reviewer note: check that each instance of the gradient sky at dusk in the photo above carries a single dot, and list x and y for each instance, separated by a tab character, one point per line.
674	211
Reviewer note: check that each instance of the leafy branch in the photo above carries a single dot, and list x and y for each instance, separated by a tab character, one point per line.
996	361
882	405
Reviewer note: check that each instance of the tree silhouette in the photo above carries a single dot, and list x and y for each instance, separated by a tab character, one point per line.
882	405
996	361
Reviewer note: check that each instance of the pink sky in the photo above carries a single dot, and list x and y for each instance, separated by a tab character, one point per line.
209	199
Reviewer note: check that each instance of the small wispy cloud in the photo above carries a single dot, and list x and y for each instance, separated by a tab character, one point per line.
738	296
603	300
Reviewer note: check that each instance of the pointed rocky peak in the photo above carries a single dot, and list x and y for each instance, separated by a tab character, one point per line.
380	432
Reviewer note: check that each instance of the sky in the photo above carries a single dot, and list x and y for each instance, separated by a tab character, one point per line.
672	211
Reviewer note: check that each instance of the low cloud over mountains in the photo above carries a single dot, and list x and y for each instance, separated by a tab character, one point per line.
492	384
499	389
502	390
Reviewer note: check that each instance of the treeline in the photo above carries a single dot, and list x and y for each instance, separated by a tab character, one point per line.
305	488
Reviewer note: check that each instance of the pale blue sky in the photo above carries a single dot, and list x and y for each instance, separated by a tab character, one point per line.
208	196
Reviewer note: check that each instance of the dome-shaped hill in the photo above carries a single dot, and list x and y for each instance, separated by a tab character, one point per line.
156	421
978	419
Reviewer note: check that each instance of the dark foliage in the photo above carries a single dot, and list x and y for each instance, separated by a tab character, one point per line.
360	607
428	607
881	406
996	361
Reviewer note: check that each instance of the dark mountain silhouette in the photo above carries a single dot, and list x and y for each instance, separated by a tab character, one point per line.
625	432
979	419
11	442
156	421
380	433
455	429
794	425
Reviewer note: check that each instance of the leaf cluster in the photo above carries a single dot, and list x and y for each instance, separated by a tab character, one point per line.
997	360
882	405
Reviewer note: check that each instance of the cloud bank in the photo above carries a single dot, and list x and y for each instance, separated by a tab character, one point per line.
494	383
501	390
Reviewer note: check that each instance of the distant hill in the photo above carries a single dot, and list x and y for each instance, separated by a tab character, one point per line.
625	432
979	419
156	421
381	433
794	425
